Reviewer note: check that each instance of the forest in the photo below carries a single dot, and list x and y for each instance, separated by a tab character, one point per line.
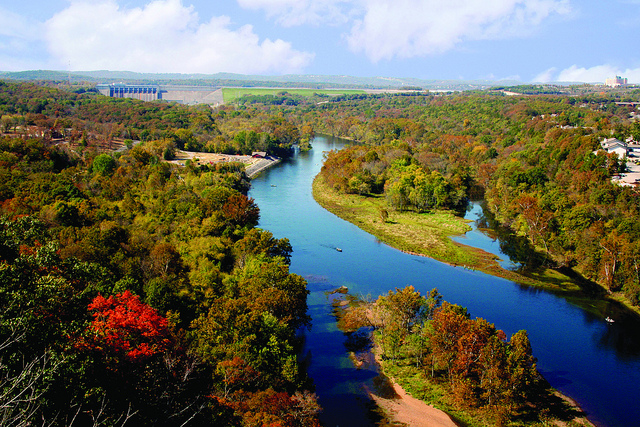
474	371
87	119
533	159
133	291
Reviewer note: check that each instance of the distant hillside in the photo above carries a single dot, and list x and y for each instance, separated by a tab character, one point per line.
35	75
242	80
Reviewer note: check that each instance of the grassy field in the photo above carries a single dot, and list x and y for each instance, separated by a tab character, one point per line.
230	94
425	234
428	234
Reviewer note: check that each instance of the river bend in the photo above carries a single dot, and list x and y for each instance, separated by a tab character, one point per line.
593	362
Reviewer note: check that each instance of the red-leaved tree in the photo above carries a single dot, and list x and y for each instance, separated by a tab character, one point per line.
124	326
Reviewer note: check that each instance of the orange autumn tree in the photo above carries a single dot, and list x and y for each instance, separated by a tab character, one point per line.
124	326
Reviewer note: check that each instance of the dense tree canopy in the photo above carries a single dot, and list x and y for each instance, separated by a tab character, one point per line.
472	359
134	291
89	119
533	159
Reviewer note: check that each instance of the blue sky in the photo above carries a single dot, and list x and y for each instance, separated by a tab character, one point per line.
527	40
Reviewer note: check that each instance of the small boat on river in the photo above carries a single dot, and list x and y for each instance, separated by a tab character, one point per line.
338	249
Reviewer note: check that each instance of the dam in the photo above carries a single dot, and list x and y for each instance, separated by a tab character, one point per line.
189	95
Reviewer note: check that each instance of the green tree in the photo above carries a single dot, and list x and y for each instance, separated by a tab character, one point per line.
104	164
521	366
494	378
407	305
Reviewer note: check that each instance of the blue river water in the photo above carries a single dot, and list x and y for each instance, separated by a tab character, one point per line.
595	363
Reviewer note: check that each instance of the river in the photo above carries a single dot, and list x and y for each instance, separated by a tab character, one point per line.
594	362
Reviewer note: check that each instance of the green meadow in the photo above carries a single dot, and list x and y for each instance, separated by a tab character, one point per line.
230	94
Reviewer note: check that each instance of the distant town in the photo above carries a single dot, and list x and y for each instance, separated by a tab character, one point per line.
616	81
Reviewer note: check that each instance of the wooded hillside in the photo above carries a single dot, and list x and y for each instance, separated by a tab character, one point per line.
532	158
133	291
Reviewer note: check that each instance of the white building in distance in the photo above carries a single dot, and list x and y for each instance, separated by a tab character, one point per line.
616	81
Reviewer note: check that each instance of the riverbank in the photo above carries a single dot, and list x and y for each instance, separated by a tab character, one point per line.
407	410
400	407
428	234
256	167
253	165
422	234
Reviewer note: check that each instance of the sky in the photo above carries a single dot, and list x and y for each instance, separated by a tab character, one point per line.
525	40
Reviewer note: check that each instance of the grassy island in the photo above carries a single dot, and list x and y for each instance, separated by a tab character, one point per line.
427	234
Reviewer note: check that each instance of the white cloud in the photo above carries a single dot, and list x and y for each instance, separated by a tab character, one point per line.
546	76
15	26
289	13
19	41
384	29
409	28
590	75
163	36
596	74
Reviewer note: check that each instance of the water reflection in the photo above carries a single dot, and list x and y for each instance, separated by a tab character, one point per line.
515	252
623	336
337	382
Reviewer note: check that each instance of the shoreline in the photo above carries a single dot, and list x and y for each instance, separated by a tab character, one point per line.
413	412
399	407
253	166
475	259
254	169
404	408
439	248
463	256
